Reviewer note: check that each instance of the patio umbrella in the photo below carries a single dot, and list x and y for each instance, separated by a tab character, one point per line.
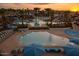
74	40
33	50
71	32
71	50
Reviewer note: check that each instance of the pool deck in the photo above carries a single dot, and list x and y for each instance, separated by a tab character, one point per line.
12	42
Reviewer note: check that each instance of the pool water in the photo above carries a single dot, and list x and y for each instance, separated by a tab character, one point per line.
43	38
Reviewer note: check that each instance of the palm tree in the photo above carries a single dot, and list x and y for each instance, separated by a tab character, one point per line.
66	15
27	11
50	14
28	14
2	11
36	11
21	16
47	13
52	17
36	14
5	22
67	19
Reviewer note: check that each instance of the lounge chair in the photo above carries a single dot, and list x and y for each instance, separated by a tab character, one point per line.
53	50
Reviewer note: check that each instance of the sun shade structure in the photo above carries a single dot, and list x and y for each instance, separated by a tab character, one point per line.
44	39
33	50
71	50
71	32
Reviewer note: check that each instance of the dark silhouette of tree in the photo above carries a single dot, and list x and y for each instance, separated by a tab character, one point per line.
50	14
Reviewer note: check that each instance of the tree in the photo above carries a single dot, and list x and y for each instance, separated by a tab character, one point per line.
50	14
5	21
36	14
21	16
36	11
66	16
67	19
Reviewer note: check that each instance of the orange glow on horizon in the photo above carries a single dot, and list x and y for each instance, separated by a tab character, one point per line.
75	9
55	6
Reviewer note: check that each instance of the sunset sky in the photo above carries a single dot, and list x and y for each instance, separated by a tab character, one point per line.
56	6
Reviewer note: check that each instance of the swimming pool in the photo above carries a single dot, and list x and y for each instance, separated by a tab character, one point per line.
43	38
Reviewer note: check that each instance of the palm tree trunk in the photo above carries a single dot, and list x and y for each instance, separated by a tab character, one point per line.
22	23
